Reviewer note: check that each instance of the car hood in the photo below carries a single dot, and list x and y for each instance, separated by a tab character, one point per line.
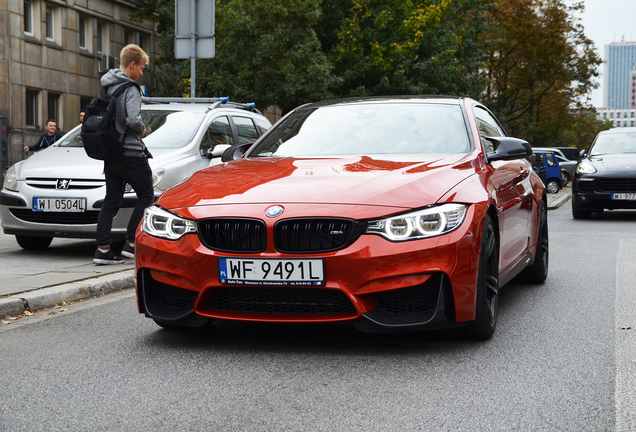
72	162
615	162
383	181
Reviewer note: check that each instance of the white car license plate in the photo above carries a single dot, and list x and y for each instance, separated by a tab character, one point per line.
624	196
276	271
42	204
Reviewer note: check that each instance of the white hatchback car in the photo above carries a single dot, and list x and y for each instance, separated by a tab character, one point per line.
59	191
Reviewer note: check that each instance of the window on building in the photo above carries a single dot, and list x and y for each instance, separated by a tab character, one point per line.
604	115
100	37
631	123
632	114
612	115
618	123
128	36
625	114
82	32
144	41
28	18
50	30
53	107
31	108
84	103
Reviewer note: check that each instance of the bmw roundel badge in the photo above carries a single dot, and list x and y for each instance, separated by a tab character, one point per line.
274	211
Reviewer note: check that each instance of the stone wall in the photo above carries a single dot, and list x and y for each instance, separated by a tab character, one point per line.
57	66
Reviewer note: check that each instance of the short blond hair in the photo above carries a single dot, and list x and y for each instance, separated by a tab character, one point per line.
132	53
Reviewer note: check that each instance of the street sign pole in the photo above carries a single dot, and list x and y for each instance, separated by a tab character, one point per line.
193	47
194	33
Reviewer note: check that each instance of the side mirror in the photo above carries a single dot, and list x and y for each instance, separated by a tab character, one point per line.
217	151
508	148
582	154
235	152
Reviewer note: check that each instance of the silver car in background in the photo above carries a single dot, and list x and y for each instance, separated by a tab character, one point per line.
59	191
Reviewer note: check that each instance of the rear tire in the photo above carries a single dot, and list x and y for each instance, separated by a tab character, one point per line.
33	243
553	186
487	302
565	178
537	273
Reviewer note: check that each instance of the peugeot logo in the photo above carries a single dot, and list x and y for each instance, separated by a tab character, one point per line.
274	211
62	184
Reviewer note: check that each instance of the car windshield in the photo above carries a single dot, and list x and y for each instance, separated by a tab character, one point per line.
365	129
166	129
615	143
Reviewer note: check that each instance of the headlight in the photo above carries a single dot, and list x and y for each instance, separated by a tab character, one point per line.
430	222
585	168
10	180
157	176
163	224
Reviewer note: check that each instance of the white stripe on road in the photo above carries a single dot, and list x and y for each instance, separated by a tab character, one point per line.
625	396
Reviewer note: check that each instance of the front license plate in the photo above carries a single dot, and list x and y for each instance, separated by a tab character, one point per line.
624	196
277	271
59	204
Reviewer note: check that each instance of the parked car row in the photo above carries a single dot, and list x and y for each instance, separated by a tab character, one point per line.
58	191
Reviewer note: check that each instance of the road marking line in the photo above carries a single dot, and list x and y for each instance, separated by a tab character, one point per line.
625	345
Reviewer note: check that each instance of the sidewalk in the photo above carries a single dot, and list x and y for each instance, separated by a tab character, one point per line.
35	280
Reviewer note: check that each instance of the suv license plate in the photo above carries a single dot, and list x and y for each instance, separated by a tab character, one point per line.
275	271
624	196
59	204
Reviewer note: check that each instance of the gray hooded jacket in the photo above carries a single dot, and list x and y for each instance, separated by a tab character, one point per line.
128	121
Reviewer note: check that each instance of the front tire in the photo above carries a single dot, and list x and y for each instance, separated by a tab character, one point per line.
33	243
487	302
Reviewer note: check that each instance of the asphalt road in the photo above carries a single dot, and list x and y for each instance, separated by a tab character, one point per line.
558	361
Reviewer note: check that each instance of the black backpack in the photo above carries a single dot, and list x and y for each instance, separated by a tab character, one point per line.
99	134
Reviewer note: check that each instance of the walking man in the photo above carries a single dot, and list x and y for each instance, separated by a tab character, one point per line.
132	167
50	137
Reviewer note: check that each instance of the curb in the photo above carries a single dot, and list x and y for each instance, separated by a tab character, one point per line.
48	297
559	201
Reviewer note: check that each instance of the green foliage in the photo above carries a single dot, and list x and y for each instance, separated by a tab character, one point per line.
267	53
528	60
410	47
540	70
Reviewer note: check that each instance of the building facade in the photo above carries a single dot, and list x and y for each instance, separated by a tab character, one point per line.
620	61
52	56
620	117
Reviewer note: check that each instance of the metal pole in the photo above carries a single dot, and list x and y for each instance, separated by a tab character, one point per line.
193	46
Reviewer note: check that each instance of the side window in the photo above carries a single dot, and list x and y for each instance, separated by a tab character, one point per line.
245	129
487	127
262	125
218	132
550	158
538	160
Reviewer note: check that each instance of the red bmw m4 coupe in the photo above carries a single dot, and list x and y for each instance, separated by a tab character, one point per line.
392	213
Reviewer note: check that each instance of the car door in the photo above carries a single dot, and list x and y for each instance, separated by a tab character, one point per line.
511	181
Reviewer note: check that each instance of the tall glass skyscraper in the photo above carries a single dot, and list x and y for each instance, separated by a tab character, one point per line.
620	60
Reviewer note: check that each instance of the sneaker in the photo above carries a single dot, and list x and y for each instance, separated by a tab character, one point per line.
108	257
128	250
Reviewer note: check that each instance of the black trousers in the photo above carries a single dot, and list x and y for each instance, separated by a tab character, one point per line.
137	173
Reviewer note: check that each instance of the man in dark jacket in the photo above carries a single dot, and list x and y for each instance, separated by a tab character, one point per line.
132	167
51	136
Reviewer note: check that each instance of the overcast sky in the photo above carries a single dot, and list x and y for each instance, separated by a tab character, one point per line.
607	21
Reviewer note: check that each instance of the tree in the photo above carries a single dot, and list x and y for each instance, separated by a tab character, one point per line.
407	46
540	70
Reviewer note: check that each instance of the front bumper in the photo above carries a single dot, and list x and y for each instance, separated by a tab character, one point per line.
376	284
594	192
